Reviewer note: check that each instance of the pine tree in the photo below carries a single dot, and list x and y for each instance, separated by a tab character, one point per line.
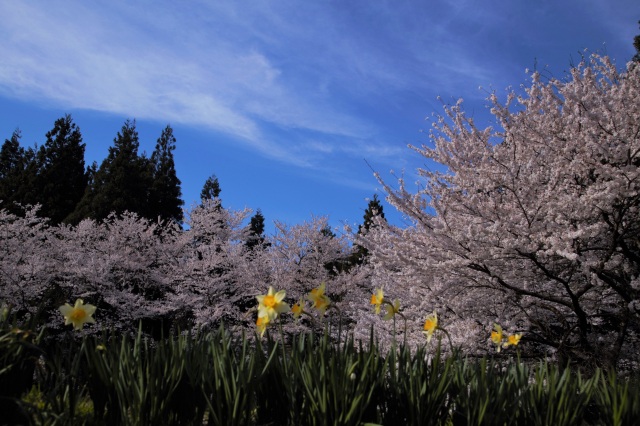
165	194
374	208
12	167
210	200
18	172
61	178
339	263
122	183
256	237
211	189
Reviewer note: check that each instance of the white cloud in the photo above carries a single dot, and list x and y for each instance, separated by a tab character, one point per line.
274	75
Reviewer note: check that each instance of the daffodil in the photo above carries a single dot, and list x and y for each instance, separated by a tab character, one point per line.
77	314
392	309
430	325
261	325
376	299
270	305
512	340
320	300
496	336
298	309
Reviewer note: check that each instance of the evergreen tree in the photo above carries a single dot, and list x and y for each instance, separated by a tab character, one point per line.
122	183
165	194
338	263
61	178
27	193
12	168
18	171
210	199
374	208
211	189
256	236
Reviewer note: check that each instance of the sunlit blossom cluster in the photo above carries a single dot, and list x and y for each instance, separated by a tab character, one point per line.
533	220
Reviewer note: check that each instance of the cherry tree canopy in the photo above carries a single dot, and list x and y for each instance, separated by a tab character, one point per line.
533	224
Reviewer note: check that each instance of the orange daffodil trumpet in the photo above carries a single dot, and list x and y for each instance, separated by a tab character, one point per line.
320	300
270	306
261	325
498	339
430	325
496	336
78	315
377	298
297	309
512	340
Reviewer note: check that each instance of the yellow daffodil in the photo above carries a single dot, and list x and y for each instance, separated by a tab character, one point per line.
298	309
496	336
430	325
512	340
261	325
270	305
77	314
320	300
376	299
392	309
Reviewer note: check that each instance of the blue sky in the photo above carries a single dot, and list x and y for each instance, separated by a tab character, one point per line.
284	100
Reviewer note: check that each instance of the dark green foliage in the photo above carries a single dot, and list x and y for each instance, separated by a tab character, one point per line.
121	183
256	237
618	400
19	353
314	381
165	193
216	379
211	189
418	390
338	381
54	176
13	163
139	382
61	178
491	393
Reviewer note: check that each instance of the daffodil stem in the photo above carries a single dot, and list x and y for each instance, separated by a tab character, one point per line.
448	337
404	341
284	354
332	306
394	331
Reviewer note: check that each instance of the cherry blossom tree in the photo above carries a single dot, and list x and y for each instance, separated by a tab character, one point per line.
136	270
215	279
25	272
533	224
302	255
123	265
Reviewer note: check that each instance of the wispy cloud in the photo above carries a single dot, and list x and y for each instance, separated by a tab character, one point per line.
296	83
